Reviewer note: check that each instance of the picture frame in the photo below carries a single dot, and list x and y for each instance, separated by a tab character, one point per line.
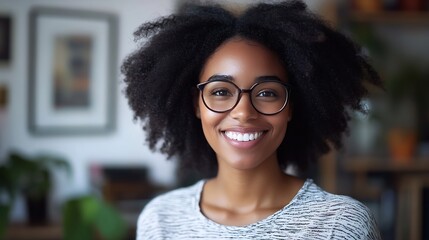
235	7
73	56
5	39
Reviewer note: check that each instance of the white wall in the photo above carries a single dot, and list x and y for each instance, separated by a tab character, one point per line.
125	145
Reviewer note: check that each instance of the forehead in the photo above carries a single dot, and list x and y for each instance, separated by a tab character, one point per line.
243	59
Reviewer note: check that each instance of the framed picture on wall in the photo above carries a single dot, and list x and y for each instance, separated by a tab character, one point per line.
72	71
5	39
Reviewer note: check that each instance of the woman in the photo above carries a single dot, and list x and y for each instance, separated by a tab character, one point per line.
241	98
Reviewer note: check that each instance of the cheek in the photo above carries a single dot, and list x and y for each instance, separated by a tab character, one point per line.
281	122
209	120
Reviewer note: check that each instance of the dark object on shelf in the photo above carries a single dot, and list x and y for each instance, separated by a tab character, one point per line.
130	173
127	183
37	210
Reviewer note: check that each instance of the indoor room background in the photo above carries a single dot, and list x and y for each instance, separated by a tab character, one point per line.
92	137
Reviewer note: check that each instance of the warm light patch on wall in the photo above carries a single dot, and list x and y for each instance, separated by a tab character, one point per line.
3	96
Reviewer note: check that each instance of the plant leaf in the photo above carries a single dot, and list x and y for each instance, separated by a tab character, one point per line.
109	223
4	219
74	228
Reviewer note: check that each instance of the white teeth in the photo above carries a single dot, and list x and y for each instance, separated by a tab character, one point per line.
243	137
246	137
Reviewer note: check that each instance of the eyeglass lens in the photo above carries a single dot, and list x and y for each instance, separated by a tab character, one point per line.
266	97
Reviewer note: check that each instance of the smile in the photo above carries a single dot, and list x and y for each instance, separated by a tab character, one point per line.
243	137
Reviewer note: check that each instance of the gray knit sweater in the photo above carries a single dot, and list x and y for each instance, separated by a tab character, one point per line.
312	214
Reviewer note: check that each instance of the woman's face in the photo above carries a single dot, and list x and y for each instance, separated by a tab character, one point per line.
229	134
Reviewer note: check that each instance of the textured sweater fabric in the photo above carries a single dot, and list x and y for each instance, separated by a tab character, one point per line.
312	214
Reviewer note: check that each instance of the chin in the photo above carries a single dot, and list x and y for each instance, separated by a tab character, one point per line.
243	163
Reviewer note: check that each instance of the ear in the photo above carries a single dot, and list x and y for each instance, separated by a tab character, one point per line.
196	105
197	110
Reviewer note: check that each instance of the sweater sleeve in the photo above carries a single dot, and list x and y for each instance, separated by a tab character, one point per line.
355	221
147	223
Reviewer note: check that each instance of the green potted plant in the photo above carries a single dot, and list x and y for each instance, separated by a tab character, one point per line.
31	177
6	193
88	217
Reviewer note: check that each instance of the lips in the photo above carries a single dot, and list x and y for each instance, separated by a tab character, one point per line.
243	136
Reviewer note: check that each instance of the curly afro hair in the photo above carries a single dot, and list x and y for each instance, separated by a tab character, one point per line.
327	72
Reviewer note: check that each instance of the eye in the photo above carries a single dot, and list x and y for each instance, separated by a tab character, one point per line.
267	93
221	92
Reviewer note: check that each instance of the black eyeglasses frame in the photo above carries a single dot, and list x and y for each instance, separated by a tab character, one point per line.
288	87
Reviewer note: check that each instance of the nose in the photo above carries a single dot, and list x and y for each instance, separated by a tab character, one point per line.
244	109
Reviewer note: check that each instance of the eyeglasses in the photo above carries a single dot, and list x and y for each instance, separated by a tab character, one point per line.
268	97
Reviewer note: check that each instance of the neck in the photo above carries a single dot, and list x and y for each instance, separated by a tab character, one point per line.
249	189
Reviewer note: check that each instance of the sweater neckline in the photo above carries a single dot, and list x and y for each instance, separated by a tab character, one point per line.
197	198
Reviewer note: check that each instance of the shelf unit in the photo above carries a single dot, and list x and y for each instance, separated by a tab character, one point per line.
361	169
373	164
372	176
409	181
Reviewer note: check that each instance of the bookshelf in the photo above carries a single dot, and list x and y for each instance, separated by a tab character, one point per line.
408	182
375	178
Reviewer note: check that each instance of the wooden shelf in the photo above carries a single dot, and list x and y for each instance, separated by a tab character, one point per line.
27	232
371	164
395	17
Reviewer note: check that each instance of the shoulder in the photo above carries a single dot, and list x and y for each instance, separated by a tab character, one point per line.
347	216
313	194
353	219
160	212
334	202
173	200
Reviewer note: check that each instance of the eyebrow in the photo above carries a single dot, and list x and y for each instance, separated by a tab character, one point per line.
267	78
220	77
231	78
